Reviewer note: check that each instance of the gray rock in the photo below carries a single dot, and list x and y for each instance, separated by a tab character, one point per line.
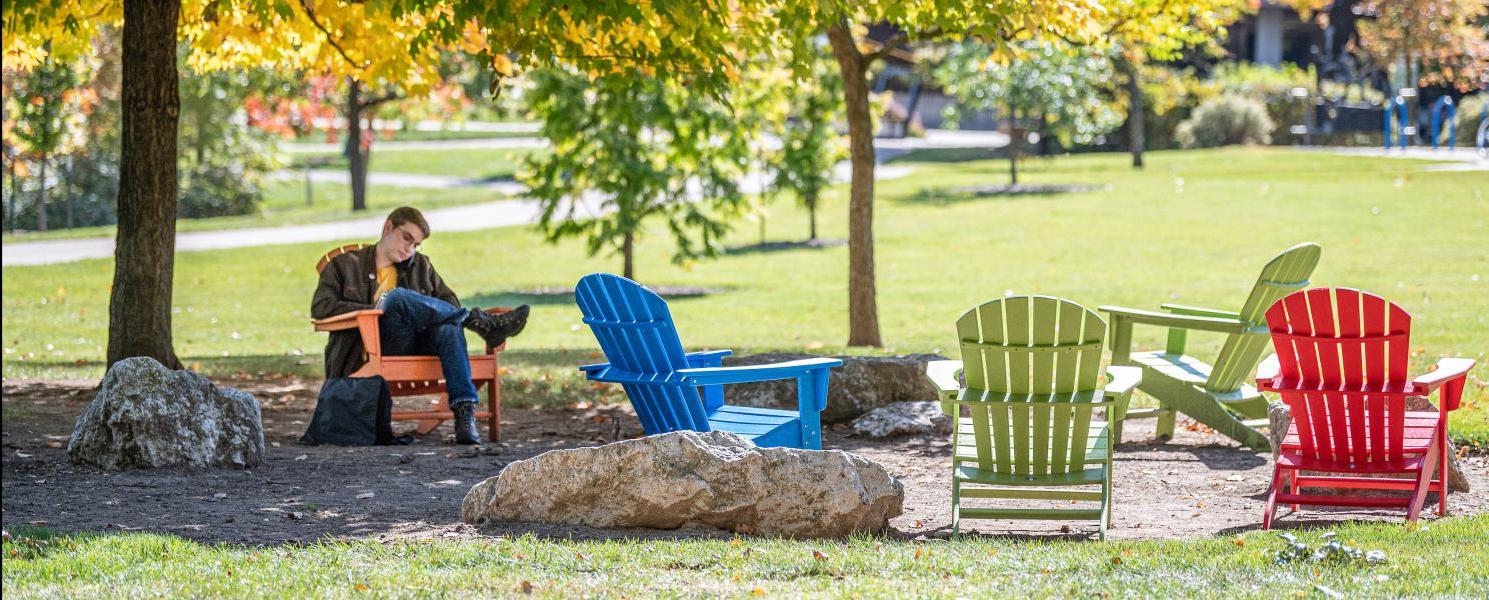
690	479
903	418
1281	417
147	416
862	384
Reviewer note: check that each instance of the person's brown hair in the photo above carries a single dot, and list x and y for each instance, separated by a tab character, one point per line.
409	214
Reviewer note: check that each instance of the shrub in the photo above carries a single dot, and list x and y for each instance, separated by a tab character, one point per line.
1228	119
1470	110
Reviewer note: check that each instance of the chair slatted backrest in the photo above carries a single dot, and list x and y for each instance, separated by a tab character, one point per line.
636	333
1031	365
1342	357
1283	275
335	252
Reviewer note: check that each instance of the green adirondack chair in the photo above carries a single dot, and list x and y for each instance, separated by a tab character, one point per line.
1030	364
1217	395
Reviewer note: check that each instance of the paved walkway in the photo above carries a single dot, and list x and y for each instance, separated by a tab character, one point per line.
1455	159
487	215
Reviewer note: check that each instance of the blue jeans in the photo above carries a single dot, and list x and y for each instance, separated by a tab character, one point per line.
415	325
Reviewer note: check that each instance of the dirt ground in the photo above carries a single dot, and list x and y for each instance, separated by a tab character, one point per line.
1196	485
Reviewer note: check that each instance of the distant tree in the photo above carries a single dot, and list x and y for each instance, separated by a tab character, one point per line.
641	149
41	121
1440	42
810	144
1061	87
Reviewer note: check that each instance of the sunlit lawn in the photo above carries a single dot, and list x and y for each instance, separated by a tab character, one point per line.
1193	228
1443	559
472	163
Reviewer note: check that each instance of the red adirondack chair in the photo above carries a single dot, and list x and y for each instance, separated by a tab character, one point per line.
417	375
1341	366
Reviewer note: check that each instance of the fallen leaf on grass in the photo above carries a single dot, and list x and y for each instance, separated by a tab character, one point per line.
819	555
527	586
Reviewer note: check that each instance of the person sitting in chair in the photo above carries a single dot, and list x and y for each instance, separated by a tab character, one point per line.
421	316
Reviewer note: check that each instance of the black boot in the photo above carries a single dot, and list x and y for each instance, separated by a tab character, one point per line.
465	423
495	329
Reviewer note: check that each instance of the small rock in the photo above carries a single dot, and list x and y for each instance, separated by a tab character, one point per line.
147	416
903	418
862	384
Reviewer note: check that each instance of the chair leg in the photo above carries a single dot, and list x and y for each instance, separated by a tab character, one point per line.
1106	500
1293	487
427	426
1271	510
1424	482
494	406
1442	477
1165	429
956	503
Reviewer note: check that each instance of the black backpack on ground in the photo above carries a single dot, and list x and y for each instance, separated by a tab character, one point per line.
353	411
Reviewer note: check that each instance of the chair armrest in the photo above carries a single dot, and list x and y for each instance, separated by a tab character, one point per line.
754	373
707	358
1197	311
1197	323
1266	373
344	320
1450	374
943	374
1121	382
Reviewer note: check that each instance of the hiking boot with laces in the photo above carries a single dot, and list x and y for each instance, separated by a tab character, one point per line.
495	329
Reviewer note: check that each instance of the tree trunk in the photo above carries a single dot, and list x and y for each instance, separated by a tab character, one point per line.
863	311
812	220
15	196
1013	146
1136	129
41	197
67	193
144	256
355	159
628	252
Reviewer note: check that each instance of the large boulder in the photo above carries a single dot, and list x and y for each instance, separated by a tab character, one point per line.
903	418
685	479
862	384
147	416
1280	417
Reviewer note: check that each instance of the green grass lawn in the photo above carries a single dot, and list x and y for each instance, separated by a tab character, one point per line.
1443	559
1386	225
284	204
319	136
472	163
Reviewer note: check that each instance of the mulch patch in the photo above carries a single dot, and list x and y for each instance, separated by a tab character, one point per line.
1196	485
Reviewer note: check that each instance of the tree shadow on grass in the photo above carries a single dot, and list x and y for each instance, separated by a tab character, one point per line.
769	247
949	155
1002	191
564	295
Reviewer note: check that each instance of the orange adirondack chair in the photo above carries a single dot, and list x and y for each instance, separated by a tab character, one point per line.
1347	387
417	375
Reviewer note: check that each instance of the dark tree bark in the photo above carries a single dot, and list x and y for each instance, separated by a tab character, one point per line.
41	197
144	255
355	159
811	220
1136	129
1013	145
628	254
863	311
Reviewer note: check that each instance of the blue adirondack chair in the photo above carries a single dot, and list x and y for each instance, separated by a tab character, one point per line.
673	390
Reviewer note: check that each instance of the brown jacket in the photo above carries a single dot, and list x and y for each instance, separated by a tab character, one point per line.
347	284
